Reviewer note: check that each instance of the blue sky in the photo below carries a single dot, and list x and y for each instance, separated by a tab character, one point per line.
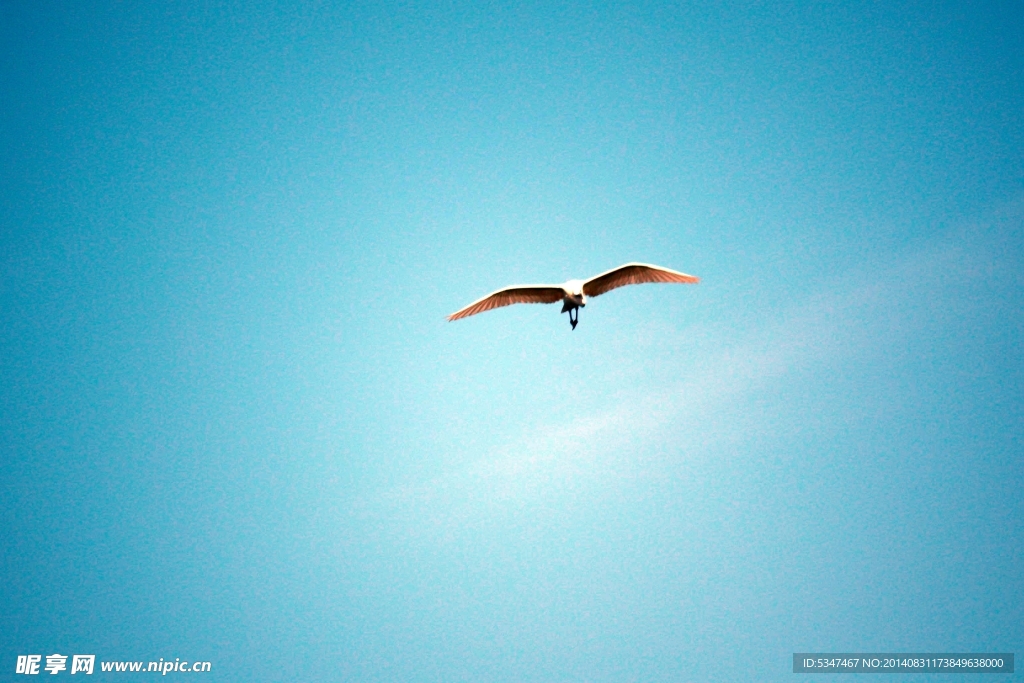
237	428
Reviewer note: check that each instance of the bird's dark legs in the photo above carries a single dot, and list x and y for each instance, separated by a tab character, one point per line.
572	320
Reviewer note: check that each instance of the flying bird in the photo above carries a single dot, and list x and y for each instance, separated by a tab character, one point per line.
573	294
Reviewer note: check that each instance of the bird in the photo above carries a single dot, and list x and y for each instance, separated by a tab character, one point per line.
573	294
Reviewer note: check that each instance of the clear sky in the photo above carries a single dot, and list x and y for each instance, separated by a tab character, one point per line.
236	427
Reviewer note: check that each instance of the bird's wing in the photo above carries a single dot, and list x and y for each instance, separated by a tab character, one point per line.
634	274
519	294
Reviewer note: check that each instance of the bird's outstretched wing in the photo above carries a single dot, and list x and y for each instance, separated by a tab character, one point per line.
634	274
519	294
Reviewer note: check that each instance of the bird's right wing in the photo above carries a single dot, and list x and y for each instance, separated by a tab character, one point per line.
519	294
634	274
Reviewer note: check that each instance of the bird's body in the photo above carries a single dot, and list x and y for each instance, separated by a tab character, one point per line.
573	294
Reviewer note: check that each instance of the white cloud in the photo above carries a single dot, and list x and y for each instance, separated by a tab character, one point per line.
862	313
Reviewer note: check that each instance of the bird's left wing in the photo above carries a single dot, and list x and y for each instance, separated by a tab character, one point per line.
519	294
634	274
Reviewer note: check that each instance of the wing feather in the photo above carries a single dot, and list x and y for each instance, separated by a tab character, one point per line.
634	274
518	294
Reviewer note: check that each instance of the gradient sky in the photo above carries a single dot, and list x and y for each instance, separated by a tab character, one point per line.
235	426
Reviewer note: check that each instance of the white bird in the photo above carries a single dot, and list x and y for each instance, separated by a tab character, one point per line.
573	294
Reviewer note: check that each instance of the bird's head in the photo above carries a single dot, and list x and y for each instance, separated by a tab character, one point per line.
574	292
575	288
